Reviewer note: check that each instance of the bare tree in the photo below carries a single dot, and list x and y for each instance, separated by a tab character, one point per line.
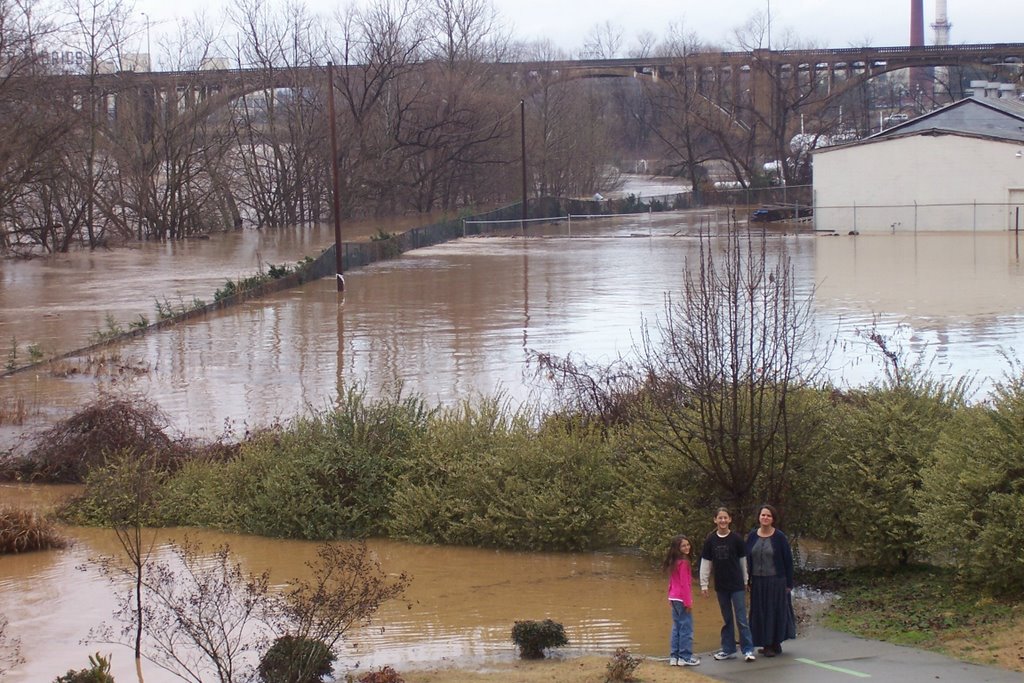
347	587
98	28
603	41
723	366
30	123
567	132
380	46
279	132
680	109
128	486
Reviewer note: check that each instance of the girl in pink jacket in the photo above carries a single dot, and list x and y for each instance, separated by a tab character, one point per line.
680	597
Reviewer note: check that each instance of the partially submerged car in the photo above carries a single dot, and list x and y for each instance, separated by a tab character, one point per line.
779	212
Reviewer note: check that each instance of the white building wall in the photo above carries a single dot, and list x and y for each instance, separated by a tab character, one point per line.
920	182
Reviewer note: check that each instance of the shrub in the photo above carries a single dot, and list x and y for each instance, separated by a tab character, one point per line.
533	637
384	675
98	672
323	476
294	659
22	531
622	666
883	437
973	492
67	451
483	476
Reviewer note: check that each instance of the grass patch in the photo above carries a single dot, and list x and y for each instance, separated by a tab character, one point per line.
920	606
23	531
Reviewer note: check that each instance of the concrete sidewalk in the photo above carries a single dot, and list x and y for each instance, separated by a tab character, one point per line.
825	656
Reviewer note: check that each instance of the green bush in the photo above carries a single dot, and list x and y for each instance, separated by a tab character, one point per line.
293	659
483	476
973	492
533	637
658	494
324	476
98	672
880	440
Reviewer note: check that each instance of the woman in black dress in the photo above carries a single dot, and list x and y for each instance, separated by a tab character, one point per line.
771	584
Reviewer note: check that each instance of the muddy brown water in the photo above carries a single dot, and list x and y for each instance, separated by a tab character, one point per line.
449	322
460	606
464	318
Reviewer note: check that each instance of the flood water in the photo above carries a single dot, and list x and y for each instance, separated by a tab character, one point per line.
448	322
464	318
459	608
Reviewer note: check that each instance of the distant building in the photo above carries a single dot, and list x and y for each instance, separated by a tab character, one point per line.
960	167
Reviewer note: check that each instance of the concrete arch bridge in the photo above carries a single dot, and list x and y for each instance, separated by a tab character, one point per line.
758	78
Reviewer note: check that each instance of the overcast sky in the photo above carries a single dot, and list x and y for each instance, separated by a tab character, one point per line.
826	23
823	23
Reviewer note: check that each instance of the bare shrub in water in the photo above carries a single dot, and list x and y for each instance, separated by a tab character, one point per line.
346	588
22	531
203	615
67	451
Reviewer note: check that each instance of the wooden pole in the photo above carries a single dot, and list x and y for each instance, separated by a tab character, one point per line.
522	153
335	181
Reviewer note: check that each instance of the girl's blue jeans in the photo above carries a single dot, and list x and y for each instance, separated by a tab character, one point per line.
681	644
734	604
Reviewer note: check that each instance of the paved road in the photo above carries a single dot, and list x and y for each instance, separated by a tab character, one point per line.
824	656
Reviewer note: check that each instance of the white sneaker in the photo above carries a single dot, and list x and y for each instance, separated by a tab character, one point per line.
689	661
673	661
722	654
749	656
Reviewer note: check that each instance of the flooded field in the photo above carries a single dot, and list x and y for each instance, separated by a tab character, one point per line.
451	321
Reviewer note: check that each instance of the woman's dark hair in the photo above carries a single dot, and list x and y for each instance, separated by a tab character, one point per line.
771	509
725	510
673	555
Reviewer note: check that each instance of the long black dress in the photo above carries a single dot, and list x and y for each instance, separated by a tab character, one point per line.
771	608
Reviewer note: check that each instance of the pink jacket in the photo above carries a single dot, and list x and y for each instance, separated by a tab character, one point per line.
679	583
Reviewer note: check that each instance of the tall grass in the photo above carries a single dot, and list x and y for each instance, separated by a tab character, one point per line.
23	531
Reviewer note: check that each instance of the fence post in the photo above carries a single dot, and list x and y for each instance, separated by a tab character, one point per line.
974	217
915	216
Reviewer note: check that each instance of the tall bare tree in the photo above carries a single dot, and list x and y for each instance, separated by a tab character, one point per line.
680	109
723	365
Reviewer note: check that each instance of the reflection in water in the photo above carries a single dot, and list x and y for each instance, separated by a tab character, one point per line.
462	318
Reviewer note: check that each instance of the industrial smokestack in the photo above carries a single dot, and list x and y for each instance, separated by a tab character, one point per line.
918	77
942	88
916	23
941	24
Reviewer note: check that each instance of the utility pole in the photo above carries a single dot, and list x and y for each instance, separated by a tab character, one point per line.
522	154
335	182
